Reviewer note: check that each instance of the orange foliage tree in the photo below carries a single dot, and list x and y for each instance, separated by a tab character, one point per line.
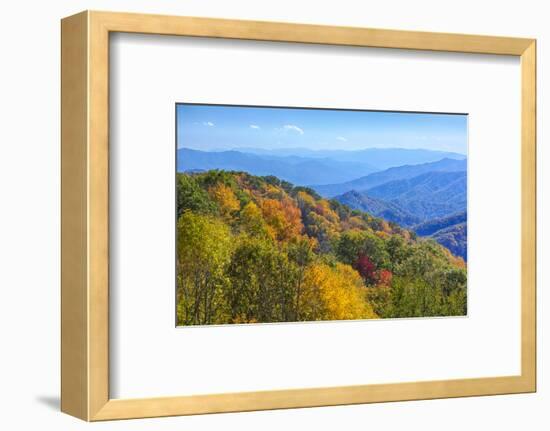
283	218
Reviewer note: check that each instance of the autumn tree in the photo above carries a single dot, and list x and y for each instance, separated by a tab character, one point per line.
322	229
323	208
384	277
334	294
252	221
225	198
283	218
366	268
305	201
353	244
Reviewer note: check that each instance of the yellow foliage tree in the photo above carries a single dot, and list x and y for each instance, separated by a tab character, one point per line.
273	192
334	293
323	208
252	220
305	200
204	252
225	198
385	227
382	234
355	223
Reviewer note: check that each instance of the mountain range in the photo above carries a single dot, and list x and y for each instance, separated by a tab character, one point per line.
308	167
455	239
380	158
295	169
413	200
433	226
430	195
391	174
450	231
430	199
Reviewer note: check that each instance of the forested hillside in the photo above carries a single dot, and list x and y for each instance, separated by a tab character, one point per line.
451	232
258	249
430	195
432	226
387	210
432	204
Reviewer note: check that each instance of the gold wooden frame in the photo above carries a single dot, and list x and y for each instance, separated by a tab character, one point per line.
85	224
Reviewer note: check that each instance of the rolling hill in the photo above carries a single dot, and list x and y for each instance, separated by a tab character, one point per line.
450	231
427	196
387	210
392	174
432	226
454	238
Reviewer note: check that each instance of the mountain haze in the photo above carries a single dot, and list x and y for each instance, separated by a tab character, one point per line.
391	174
296	169
433	194
381	158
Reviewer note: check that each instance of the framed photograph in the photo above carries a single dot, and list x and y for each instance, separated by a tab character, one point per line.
282	219
264	215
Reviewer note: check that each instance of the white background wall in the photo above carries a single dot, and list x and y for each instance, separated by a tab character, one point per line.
29	215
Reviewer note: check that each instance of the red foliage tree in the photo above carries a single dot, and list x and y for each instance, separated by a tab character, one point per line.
384	277
366	268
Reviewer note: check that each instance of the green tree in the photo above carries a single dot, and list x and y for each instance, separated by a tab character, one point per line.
262	282
300	251
190	196
397	250
425	285
204	246
252	221
353	244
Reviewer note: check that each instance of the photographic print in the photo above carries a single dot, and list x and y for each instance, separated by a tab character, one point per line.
289	214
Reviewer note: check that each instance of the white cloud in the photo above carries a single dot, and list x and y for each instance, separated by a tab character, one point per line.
254	126
341	138
293	128
208	123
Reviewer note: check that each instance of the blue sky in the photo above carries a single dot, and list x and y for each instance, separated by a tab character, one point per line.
216	127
